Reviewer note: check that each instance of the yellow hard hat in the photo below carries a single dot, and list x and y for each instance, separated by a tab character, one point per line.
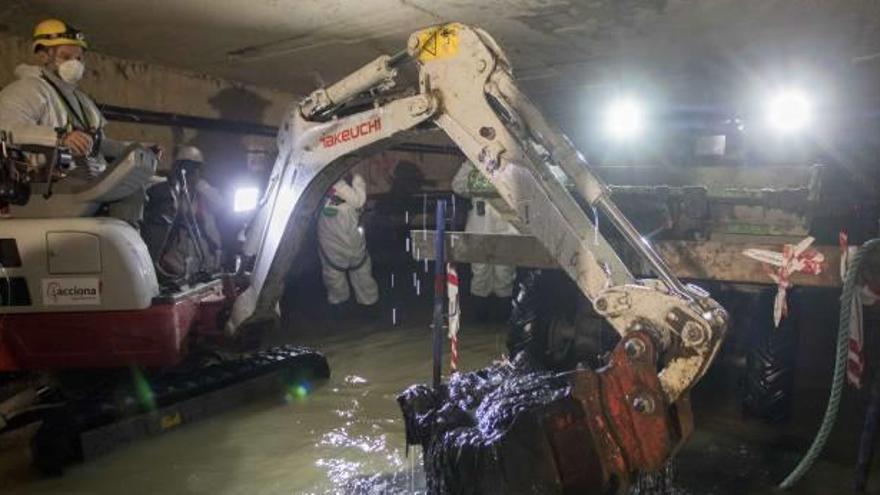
52	32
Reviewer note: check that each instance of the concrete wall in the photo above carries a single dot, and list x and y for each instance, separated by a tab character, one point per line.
119	82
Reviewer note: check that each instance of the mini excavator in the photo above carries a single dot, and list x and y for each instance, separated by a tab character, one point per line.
82	291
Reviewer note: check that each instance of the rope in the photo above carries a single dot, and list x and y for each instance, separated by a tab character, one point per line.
837	383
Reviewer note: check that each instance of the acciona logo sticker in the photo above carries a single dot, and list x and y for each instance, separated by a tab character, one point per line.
71	291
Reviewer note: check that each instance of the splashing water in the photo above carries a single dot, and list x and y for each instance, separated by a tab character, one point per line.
412	472
345	437
425	216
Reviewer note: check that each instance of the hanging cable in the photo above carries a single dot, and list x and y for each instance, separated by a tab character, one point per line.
837	382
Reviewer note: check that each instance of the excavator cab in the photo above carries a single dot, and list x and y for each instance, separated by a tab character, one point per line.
82	298
83	290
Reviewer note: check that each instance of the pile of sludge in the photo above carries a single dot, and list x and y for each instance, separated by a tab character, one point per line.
482	433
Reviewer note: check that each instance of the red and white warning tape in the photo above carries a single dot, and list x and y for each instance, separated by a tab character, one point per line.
792	259
454	314
855	363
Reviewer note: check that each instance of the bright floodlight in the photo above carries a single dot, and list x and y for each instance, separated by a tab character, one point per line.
245	199
624	119
789	111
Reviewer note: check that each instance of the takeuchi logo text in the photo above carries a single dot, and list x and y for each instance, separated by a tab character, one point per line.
55	291
352	133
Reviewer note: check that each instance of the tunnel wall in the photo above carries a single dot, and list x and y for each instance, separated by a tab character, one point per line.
114	81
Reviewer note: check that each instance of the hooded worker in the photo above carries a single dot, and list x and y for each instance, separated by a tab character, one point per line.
180	224
342	246
487	279
45	107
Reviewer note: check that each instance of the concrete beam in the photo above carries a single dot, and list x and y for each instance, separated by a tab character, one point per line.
709	260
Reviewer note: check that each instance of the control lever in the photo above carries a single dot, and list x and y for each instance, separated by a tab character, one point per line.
61	157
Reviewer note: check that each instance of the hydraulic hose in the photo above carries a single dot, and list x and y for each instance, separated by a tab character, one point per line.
837	382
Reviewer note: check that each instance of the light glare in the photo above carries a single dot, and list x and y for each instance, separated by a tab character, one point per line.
245	199
789	111
624	119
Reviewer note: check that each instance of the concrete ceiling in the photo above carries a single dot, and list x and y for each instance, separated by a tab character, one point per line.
558	47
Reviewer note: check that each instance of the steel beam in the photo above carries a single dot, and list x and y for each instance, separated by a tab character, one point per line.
707	260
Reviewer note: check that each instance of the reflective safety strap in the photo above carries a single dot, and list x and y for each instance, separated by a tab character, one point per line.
81	116
341	268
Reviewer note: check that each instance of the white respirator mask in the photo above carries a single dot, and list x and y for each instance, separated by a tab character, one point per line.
71	71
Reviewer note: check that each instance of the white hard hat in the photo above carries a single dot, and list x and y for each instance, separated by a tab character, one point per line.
189	153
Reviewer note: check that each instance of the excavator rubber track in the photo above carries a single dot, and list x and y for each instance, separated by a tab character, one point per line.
95	423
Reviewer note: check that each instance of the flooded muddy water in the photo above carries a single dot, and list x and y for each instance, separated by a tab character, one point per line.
346	434
343	435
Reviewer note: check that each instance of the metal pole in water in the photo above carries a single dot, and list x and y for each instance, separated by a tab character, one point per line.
439	292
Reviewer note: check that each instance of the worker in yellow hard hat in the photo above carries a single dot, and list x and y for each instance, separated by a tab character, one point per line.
45	107
53	32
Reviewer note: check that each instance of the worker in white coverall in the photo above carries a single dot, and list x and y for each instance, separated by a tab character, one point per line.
342	246
487	279
208	201
180	226
44	105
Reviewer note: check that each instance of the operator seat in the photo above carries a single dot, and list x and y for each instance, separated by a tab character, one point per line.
75	197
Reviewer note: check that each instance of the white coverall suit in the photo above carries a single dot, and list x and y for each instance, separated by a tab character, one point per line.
209	201
180	257
343	248
33	110
484	219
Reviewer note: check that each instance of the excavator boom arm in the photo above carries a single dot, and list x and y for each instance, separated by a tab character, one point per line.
670	332
466	88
